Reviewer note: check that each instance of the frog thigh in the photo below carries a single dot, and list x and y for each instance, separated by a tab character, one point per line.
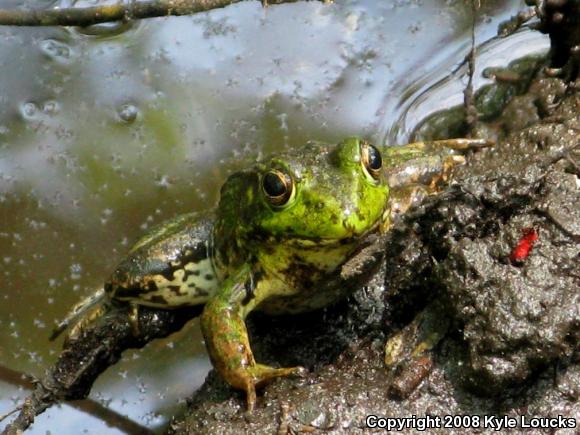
169	285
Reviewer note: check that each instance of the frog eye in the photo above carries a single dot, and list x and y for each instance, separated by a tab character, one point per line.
278	187
371	160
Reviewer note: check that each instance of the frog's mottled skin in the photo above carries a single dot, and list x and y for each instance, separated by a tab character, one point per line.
262	249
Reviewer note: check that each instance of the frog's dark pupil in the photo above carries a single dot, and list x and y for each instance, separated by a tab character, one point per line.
274	185
375	160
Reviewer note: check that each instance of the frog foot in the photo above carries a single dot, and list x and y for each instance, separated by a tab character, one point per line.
134	319
81	314
259	375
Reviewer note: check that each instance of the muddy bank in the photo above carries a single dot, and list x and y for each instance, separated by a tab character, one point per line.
512	319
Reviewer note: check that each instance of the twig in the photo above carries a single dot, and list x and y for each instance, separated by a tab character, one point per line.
88	406
9	413
573	162
471	115
516	22
118	12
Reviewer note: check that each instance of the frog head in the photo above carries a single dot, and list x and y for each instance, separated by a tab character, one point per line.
318	196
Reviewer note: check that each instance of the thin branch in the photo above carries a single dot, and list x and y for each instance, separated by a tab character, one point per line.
118	12
9	413
471	115
88	406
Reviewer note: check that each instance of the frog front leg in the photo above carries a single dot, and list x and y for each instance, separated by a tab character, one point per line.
226	337
426	163
401	199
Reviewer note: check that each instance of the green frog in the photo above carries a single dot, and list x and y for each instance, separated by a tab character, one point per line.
281	228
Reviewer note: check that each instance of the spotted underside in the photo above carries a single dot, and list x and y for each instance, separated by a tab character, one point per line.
171	268
180	285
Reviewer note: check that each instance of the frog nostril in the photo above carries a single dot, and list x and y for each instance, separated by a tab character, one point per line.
348	226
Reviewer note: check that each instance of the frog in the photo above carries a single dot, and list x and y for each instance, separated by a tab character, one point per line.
281	229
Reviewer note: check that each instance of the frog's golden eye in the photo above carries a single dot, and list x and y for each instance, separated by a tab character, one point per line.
278	187
371	160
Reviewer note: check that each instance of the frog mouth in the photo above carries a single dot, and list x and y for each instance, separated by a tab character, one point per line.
352	237
385	222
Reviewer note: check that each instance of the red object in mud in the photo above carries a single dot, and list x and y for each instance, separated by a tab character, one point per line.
525	245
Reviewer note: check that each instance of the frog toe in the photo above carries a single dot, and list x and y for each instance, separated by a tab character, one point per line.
263	374
134	320
260	375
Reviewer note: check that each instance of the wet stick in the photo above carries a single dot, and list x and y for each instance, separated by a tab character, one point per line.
471	115
107	13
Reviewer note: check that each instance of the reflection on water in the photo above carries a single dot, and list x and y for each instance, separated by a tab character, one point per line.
105	132
436	91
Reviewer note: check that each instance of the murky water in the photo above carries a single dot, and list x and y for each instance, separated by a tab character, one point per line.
107	131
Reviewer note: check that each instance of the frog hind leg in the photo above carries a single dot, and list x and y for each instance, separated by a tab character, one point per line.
90	313
134	319
226	338
90	317
79	310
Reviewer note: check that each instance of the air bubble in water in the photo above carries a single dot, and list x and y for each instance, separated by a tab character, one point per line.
128	113
75	271
28	110
55	49
50	107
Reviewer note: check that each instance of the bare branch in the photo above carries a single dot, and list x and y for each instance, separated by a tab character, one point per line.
118	12
471	115
89	406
